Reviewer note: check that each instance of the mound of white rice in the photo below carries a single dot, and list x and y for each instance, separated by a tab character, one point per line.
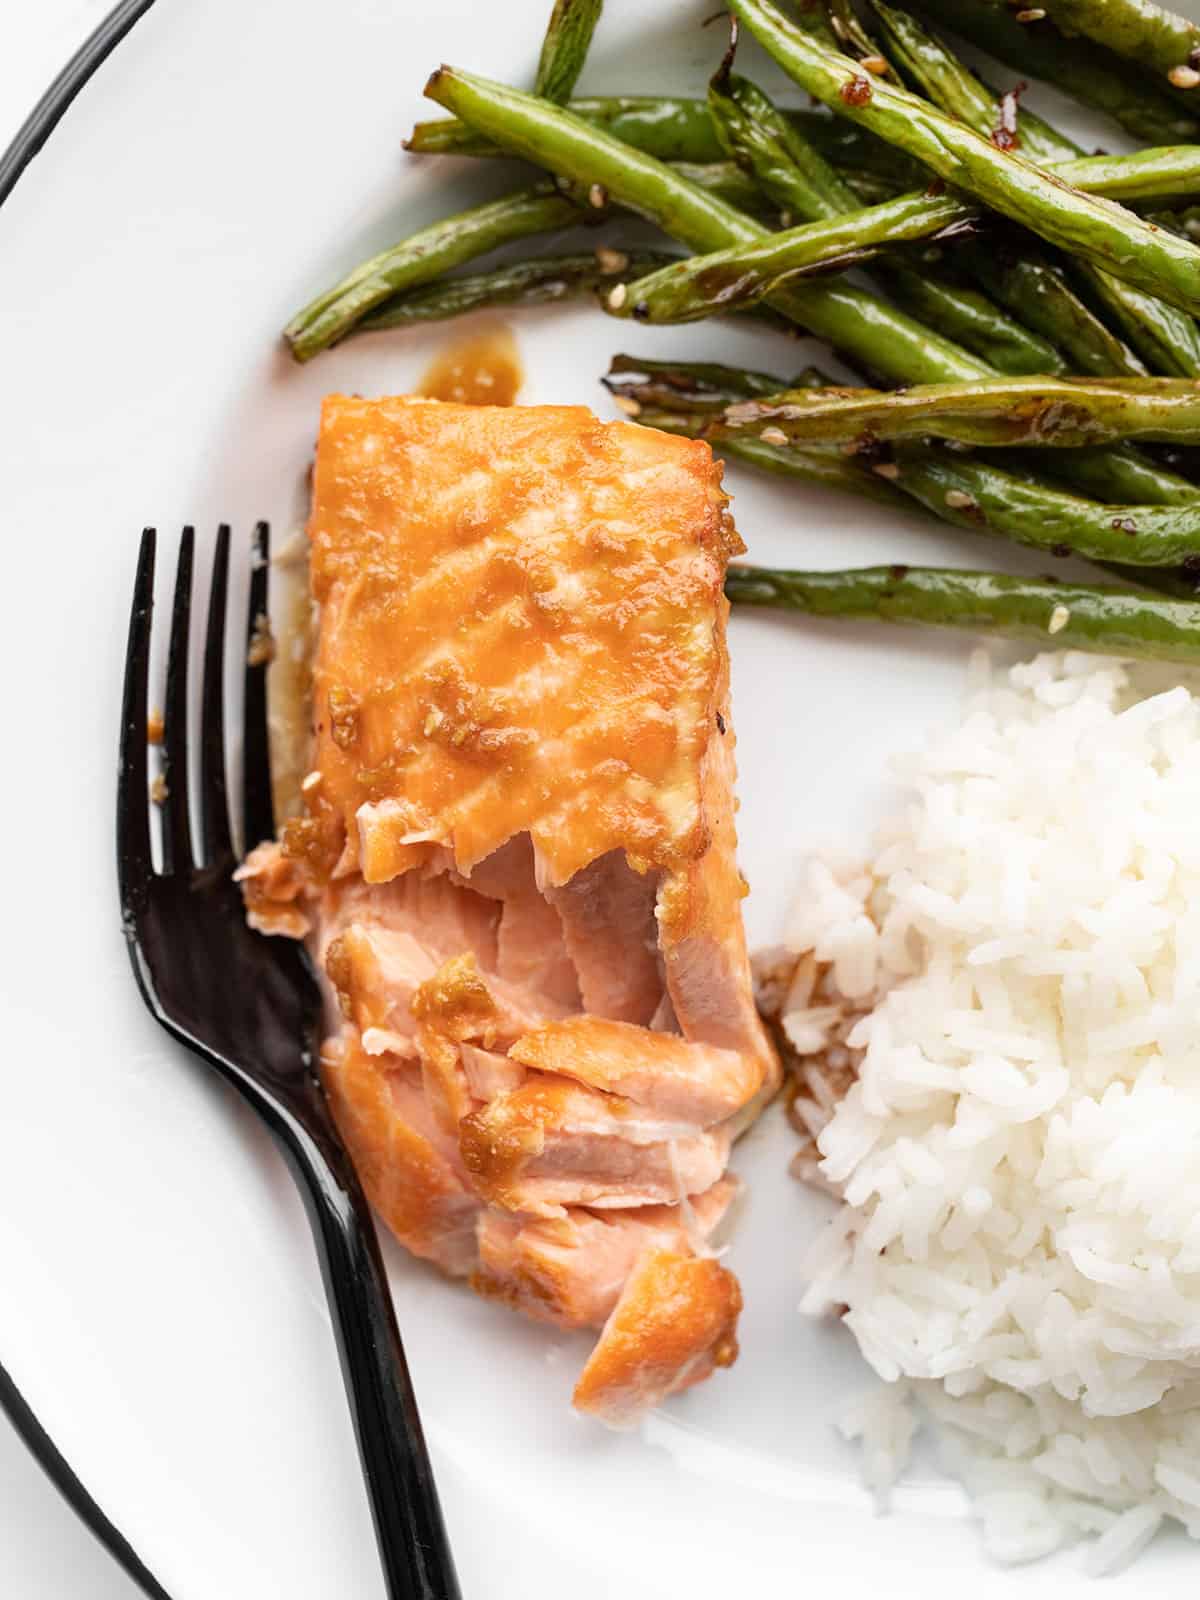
1019	1154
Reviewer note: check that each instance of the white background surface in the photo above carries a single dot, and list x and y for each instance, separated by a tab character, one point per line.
45	1552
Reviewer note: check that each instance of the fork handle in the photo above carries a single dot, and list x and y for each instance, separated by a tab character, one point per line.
413	1547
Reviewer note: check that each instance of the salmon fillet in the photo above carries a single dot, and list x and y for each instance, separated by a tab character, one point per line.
673	1325
410	1172
570	1270
515	865
691	1082
552	1143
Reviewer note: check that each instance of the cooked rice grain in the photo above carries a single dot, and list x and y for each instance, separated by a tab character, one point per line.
1011	995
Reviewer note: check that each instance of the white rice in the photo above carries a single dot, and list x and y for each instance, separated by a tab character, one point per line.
1016	977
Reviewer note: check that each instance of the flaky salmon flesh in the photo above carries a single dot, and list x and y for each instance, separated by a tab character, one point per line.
515	866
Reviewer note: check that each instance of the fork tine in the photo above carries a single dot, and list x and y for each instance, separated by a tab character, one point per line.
133	800
214	804
177	841
258	811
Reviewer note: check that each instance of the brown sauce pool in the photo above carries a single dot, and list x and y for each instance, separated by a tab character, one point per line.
482	369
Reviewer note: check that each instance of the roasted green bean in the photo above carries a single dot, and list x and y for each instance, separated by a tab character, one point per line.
540	280
1148	34
1083	69
1061	413
1075	616
423	257
1154	260
565	47
1164	337
873	334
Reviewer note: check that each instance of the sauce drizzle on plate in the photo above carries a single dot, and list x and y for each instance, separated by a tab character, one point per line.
482	369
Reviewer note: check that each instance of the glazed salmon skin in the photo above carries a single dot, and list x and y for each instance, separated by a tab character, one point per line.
515	865
542	592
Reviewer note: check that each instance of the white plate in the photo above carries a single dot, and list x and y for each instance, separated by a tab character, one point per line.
162	1310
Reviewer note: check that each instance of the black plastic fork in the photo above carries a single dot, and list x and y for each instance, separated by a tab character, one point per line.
249	1006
